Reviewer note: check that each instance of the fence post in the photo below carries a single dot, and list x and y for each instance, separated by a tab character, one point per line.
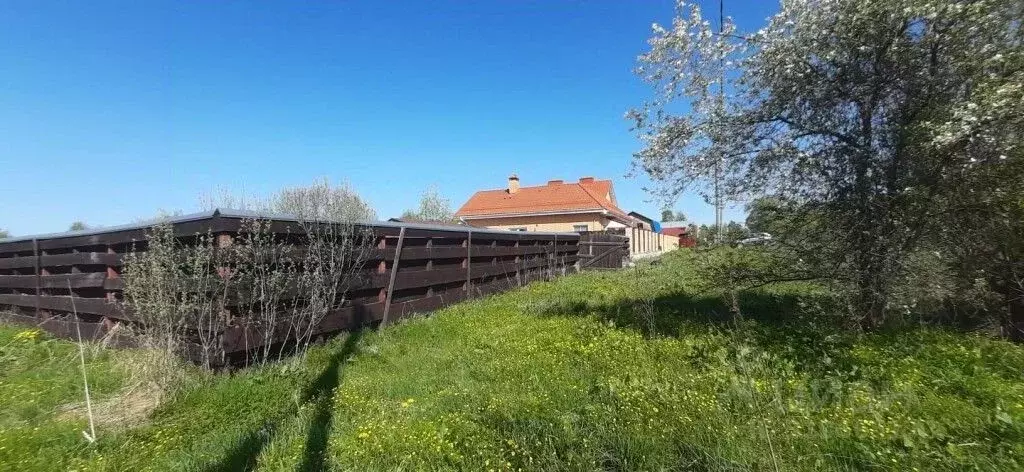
632	240
554	257
430	264
394	274
37	271
469	263
550	256
519	261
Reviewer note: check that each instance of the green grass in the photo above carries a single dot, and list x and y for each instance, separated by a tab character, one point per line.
567	375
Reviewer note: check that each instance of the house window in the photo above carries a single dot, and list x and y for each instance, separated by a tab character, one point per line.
521	228
578	228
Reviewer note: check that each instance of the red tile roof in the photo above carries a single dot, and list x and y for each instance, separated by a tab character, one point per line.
555	197
676	231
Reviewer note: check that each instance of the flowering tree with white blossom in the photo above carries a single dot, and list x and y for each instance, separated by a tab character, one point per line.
433	208
871	114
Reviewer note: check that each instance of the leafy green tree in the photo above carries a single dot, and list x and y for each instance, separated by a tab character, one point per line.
763	214
432	208
735	231
78	226
704	235
669	215
984	244
864	112
4	234
732	232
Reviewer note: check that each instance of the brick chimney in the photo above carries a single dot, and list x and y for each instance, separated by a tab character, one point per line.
513	183
586	180
555	182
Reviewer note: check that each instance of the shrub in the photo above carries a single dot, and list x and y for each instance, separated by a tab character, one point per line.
176	294
185	291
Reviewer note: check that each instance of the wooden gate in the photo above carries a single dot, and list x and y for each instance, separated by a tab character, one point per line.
602	250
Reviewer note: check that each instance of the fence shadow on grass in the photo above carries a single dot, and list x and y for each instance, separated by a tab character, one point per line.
320	393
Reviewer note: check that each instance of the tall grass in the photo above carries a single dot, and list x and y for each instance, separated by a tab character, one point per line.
574	375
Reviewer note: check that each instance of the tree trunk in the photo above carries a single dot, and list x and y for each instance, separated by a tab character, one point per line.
872	296
873	253
1013	296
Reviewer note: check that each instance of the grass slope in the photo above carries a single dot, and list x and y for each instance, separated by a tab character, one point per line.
568	375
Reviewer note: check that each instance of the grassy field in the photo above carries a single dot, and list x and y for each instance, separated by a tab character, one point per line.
629	370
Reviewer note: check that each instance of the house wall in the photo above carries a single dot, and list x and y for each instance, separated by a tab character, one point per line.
594	222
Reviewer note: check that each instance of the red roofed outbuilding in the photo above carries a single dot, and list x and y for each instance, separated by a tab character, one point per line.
682	232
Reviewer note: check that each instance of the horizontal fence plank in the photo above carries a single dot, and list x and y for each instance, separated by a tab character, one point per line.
487	235
60	327
408	253
92	306
453	252
406	279
62	260
86	280
221	224
422	253
14	247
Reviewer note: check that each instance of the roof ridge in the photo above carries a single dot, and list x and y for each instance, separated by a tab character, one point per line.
545	185
555	196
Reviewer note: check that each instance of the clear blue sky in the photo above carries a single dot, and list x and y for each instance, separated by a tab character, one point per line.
110	111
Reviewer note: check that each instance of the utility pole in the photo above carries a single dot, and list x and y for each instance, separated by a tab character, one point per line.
718	154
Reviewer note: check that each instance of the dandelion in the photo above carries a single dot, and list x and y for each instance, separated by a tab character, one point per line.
28	335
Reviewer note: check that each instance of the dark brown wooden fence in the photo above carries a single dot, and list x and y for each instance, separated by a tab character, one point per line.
602	250
45	279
